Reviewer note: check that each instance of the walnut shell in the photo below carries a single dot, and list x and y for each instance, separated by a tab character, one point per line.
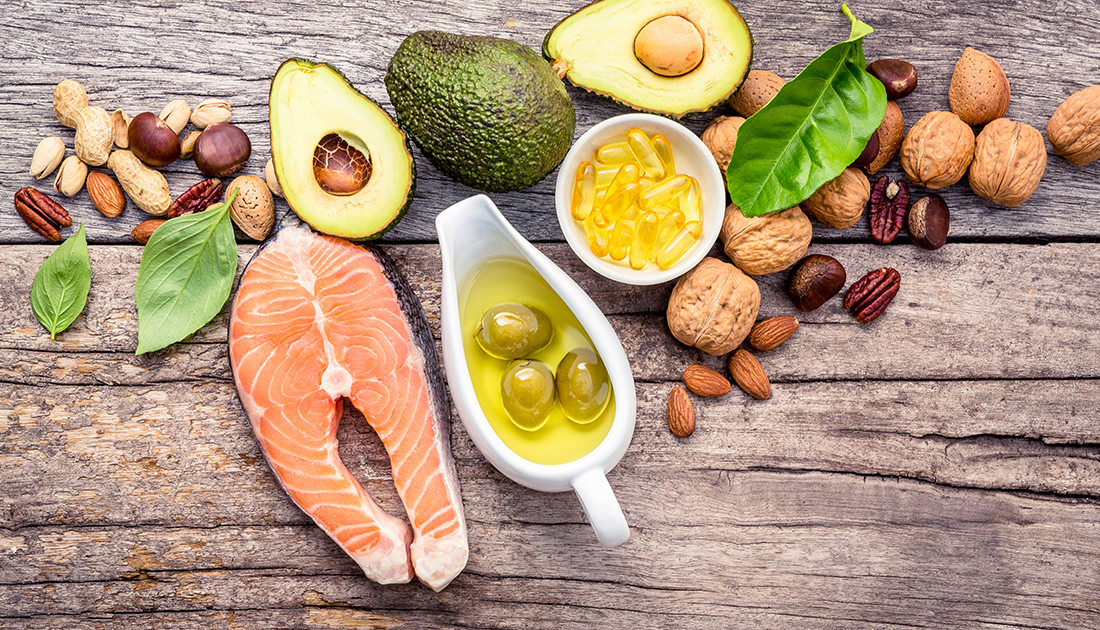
1074	128
937	150
839	202
713	307
890	134
768	243
979	91
720	137
1009	160
253	210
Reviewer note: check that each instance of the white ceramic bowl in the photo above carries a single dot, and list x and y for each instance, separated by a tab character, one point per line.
692	158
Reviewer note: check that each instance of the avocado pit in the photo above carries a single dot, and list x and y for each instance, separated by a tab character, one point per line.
341	164
670	46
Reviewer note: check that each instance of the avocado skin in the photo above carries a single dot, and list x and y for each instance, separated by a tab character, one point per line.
485	111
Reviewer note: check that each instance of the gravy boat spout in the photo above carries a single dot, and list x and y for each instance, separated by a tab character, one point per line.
471	233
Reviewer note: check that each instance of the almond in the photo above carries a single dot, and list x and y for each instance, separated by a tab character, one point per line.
979	91
770	333
706	382
681	415
759	87
144	230
749	376
106	194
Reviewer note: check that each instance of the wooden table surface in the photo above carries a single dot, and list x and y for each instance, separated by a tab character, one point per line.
938	468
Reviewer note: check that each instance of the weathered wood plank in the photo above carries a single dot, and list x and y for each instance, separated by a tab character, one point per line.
967	311
139	57
855	550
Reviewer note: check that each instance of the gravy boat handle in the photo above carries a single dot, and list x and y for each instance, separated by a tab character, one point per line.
601	507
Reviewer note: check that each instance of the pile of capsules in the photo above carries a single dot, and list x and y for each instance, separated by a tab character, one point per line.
634	206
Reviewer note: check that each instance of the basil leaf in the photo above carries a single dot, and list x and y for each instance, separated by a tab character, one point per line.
185	277
60	288
814	128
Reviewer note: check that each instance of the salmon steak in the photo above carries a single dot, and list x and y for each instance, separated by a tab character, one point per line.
318	320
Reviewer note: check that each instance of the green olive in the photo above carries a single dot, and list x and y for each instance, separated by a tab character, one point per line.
527	391
583	385
511	330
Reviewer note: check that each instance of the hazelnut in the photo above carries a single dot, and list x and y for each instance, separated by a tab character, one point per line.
670	46
890	134
713	307
152	140
815	280
1009	160
937	150
720	136
929	222
221	150
839	203
899	77
768	243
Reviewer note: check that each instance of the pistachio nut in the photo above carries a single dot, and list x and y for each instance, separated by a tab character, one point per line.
187	145
272	180
175	114
120	128
211	112
47	156
70	177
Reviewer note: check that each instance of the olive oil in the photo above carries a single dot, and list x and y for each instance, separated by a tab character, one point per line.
559	440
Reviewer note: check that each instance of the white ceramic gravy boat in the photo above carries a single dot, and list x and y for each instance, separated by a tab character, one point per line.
471	232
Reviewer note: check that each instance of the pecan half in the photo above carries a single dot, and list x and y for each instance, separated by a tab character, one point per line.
41	212
889	203
196	198
869	296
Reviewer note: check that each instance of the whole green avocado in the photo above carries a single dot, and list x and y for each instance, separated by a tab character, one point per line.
487	112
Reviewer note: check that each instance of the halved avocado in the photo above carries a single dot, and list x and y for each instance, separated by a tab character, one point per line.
595	49
343	164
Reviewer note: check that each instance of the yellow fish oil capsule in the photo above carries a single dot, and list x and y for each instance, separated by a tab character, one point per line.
614	153
642	148
584	191
669	226
617	204
599	240
672	251
664	151
691	201
627	173
656	195
605	173
645	237
621	238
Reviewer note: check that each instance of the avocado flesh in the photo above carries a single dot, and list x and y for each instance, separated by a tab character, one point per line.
487	112
594	48
309	101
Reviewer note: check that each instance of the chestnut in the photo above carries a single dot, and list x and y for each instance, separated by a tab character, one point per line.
815	280
152	140
899	77
929	222
221	150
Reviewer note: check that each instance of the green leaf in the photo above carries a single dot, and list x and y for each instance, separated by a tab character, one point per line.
814	128
185	277
60	288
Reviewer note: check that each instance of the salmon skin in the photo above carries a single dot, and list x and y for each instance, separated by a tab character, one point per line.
317	320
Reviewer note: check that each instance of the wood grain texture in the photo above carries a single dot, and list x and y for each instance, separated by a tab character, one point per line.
937	468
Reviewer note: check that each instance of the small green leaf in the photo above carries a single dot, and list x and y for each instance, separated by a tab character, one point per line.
60	288
185	277
814	128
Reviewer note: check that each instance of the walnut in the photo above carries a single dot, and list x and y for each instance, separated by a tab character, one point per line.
766	244
1074	128
839	203
937	150
713	307
720	136
1009	161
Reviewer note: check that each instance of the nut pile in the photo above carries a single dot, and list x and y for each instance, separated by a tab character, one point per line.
132	149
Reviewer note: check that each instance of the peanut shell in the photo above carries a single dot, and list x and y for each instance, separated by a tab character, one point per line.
69	97
146	188
94	135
